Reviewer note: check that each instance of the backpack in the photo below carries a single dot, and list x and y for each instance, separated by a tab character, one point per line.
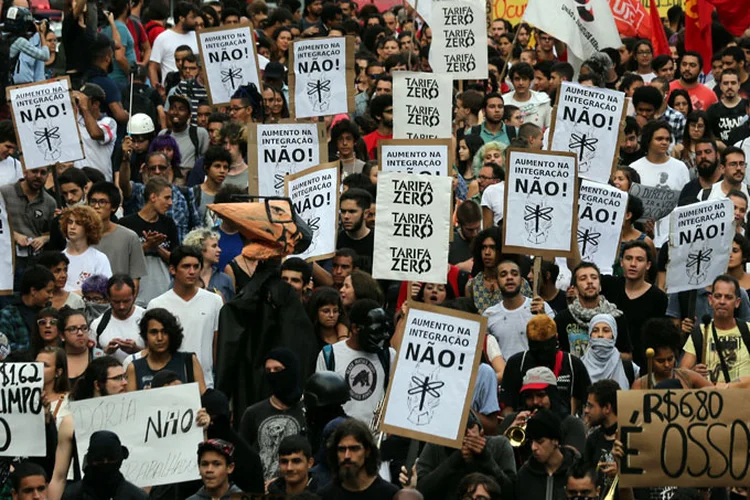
8	65
697	337
384	355
193	134
195	194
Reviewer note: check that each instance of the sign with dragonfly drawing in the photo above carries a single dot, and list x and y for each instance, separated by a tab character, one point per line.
601	210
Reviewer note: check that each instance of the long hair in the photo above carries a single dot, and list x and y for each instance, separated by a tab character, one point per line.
361	433
476	248
95	372
325	296
64	316
365	287
37	344
695	117
62	384
86	217
170	324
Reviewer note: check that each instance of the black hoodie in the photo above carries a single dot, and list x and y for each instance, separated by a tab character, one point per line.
534	481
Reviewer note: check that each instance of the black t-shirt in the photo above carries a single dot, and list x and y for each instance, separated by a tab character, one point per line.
76	42
724	120
363	247
568	328
559	302
739	134
378	490
163	225
690	192
459	249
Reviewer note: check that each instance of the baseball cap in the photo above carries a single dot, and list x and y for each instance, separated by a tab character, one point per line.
219	446
180	98
538	378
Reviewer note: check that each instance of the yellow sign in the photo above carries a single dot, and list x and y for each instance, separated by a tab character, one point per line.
512	10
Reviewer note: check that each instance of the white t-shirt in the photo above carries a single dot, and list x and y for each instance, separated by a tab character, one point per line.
744	145
672	174
509	327
199	318
647	77
82	266
10	171
717	193
119	329
494	199
164	46
98	153
364	375
536	110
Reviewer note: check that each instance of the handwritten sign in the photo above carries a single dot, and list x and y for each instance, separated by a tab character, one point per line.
275	151
412	227
434	373
540	203
7	268
229	61
427	156
459	39
657	202
46	123
700	241
315	193
587	123
422	105
157	426
690	438
21	410
601	211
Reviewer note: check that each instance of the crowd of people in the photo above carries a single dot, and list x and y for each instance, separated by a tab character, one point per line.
126	279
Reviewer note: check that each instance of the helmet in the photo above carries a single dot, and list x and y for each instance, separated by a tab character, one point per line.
18	20
140	124
324	389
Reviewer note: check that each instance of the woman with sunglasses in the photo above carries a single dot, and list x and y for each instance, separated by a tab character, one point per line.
45	332
73	329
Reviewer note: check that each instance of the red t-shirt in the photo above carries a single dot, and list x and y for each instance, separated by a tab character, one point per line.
701	96
154	29
371	141
139	35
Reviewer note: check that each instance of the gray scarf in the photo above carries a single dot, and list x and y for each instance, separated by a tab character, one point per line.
583	315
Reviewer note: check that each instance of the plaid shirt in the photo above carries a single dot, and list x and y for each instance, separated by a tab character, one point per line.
15	328
184	218
677	121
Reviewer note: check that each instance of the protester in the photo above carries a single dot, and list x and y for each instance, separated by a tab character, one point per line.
216	463
116	331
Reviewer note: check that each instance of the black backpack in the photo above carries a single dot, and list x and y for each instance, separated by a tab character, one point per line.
141	102
8	65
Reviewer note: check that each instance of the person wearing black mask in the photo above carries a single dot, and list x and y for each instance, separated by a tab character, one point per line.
267	422
102	477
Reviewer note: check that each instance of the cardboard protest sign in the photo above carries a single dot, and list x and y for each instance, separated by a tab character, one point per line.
46	123
588	122
229	61
157	427
422	105
275	151
21	410
459	39
700	242
435	373
321	77
544	184
658	202
412	227
601	211
7	255
689	438
427	156
315	195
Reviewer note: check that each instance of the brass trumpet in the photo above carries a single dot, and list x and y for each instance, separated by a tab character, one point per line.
516	434
612	489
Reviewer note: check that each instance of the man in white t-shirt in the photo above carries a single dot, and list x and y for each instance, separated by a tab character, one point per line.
535	106
116	331
733	169
98	131
658	169
195	308
162	53
10	168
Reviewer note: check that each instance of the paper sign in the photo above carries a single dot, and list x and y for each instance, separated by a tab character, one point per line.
412	227
601	211
587	123
540	203
700	242
687	438
658	202
157	426
422	105
21	410
315	195
275	151
321	77
459	39
7	255
431	157
229	61
46	123
435	373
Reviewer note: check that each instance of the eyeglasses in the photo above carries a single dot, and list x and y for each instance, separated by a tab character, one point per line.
123	377
99	203
737	164
76	329
46	321
485	178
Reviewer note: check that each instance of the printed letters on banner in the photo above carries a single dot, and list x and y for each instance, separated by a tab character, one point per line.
22	410
422	105
459	39
601	211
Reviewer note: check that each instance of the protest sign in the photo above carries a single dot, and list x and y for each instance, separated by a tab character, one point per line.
157	426
275	151
21	410
427	156
700	241
229	61
459	39
315	195
658	202
601	211
435	373
321	77
689	438
46	123
7	255
544	184
412	226
587	122
422	105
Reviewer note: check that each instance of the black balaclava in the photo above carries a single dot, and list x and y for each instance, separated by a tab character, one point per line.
373	334
285	384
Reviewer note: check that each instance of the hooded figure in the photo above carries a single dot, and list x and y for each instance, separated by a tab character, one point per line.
602	359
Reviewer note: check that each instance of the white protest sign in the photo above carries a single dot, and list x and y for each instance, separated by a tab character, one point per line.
544	184
6	251
21	410
459	39
431	157
423	8
46	123
275	151
700	242
587	123
319	77
229	61
412	227
433	379
157	427
601	211
422	105
315	193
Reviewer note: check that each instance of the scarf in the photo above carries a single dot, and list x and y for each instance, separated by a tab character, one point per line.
602	359
583	315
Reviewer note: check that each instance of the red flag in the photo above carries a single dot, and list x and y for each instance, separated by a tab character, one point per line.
631	18
658	35
733	14
698	30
